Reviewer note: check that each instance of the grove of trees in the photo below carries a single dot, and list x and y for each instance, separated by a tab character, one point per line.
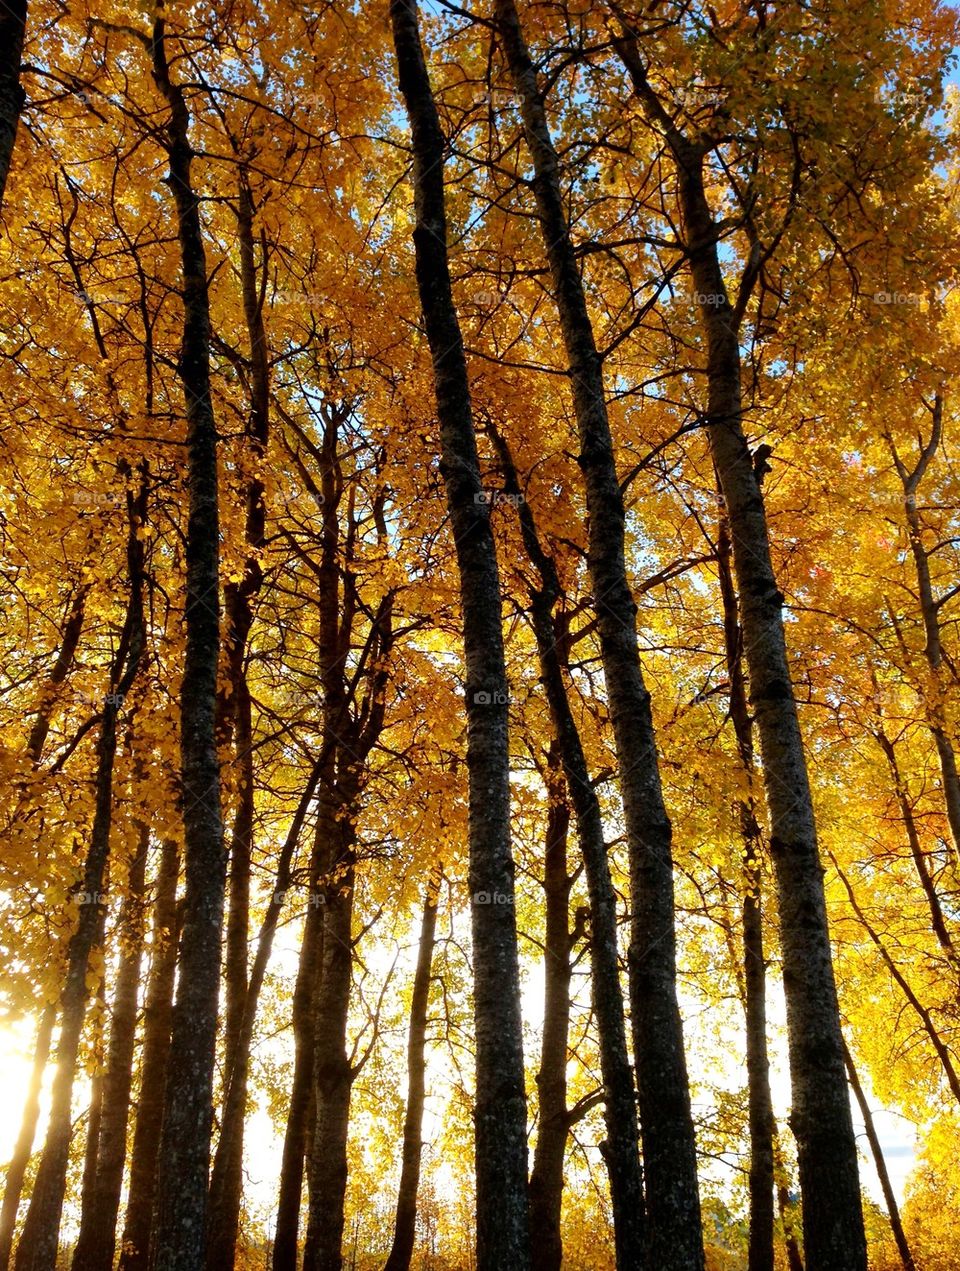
480	658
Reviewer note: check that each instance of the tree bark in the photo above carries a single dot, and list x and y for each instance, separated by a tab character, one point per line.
94	1119
13	26
821	1119
158	1017
39	1241
184	1158
285	1241
673	1227
226	1187
889	1196
930	615
224	1190
332	1071
760	1252
500	1113
546	1177
938	921
23	1148
72	630
621	1151
404	1230
96	1243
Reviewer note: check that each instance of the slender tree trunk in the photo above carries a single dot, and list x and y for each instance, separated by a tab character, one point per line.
226	1188
621	1150
939	1045
97	1240
339	775
889	1196
179	1231
673	1235
821	1119
546	1177
39	1240
938	921
17	1169
760	1252
332	1072
158	1017
285	1247
349	740
226	1179
760	1256
500	1112
226	1176
404	1229
94	1120
930	615
13	25
790	1243
72	630
230	1147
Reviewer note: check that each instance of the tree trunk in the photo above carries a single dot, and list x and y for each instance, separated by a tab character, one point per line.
97	1240
790	1242
184	1158
621	1150
821	1119
673	1235
500	1112
889	1196
938	921
158	1016
73	627
94	1119
13	26
301	1091
761	1183
332	1072
226	1188
930	615
404	1230
39	1240
546	1177
939	1045
23	1148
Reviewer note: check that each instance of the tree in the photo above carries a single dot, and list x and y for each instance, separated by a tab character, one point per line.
502	1237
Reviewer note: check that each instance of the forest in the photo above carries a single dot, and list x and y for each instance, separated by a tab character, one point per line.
480	642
